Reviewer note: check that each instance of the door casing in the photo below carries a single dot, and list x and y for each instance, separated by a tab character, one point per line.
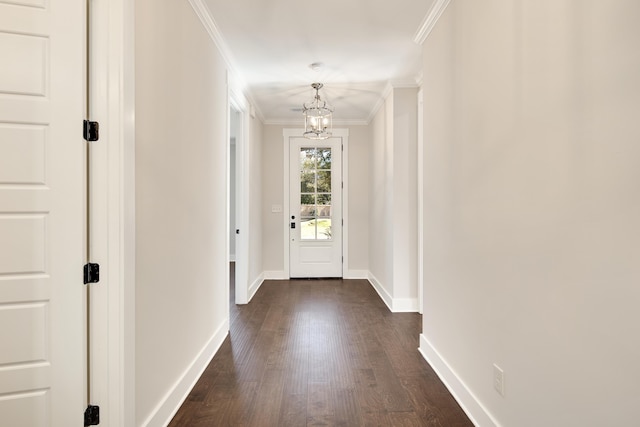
112	302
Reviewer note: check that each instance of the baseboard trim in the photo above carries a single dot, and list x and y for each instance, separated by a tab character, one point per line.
380	290
275	275
173	399
476	412
395	305
405	305
253	287
356	274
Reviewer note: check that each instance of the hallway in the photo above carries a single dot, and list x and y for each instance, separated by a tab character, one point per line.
319	352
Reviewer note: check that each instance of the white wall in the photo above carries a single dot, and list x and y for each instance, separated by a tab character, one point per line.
181	145
387	227
272	194
358	203
405	194
380	203
532	202
393	201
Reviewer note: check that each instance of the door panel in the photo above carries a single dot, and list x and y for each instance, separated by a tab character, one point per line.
315	200
42	213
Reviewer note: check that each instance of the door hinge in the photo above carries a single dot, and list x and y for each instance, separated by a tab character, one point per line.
92	416
90	130
91	273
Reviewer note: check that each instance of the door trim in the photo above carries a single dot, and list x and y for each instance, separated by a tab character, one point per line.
112	302
420	147
288	133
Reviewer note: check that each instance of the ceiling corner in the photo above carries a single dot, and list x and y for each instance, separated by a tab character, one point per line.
430	21
205	16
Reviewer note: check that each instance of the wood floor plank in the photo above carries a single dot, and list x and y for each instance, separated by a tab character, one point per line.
319	353
266	411
347	409
404	419
242	405
320	405
293	411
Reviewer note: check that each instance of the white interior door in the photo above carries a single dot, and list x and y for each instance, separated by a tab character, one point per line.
315	203
42	213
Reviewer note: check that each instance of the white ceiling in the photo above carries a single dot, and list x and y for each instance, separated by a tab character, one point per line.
363	44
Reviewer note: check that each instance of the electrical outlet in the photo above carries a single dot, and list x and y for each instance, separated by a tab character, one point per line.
498	379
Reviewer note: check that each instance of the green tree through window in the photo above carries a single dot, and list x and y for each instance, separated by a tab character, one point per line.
315	193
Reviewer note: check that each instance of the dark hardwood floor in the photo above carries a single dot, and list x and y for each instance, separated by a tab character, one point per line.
319	353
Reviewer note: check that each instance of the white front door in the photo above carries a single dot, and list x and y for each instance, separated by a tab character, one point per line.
315	202
42	213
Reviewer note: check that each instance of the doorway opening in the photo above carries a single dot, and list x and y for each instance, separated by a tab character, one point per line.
237	200
234	131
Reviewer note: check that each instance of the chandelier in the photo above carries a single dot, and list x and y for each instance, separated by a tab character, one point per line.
317	116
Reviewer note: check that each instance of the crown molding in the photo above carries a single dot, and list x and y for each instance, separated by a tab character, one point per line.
236	82
377	106
430	20
204	14
400	84
234	79
381	100
254	109
388	89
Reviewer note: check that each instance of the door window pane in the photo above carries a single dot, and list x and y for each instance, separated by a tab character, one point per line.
324	182
315	193
323	228
324	199
308	228
308	159
324	205
324	158
307	182
307	205
308	199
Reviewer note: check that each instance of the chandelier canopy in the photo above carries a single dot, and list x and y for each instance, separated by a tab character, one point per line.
317	116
